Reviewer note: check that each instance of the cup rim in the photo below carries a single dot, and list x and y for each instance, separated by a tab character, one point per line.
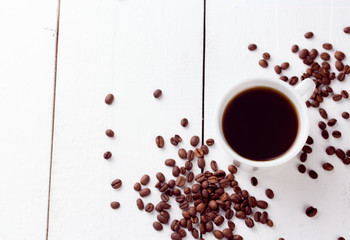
299	104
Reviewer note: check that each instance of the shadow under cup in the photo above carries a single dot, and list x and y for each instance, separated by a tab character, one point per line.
260	123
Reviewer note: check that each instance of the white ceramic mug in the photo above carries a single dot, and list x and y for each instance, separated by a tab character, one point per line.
297	95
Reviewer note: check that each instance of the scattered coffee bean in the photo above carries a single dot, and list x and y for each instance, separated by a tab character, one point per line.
327	166
340	153
137	187
336	134
344	94
269	223
313	174
117	183
284	78
323	113
115	205
339	65
184	122
325	134
210	142
285	65
157	226
109	99
278	69
145	179
149	207
345	115
309	140
140	204
327	46
254	181
325	56
330	150
218	234
293	80
295	48
339	55
157	93
303	53
145	192
308	35
201	162
252	47
249	222
214	165
109	133
194	141
107	155
301	168
331	122
313	54
182	153
311	211
341	238
263	63
160	141
190	155
346	30
322	125
307	149
262	204
269	193
266	56
160	176
199	152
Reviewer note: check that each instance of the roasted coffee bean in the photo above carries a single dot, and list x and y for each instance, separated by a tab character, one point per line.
293	80
160	141
115	205
346	160
109	99
313	53
284	78
326	65
163	217
145	179
315	104
257	216
145	192
229	214
164	197
344	94
170	162
254	181
195	233
278	69
175	236
160	176
269	193
173	141
327	46
190	155
327	166
266	56
249	222
149	207
263	63
214	165
303	53
341	238
325	56
205	149
252	47
109	133
313	174
210	142
240	214
213	205
140	204
117	183
331	122
264	217
336	134
158	185
322	125
347	31
188	165
227	232
341	77
339	65
182	153
194	141
308	35
311	211
137	186
176	171
161	206
200	177
323	113
307	149
301	168
180	181
262	204
190	177
309	140
285	65
348	153
201	207
330	150
218	220
295	48
157	93
303	157
339	55
269	223
107	155
218	234
345	115
201	162
340	153
232	169
184	122
325	134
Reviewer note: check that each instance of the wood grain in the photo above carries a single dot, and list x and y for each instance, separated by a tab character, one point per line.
128	48
275	26
27	60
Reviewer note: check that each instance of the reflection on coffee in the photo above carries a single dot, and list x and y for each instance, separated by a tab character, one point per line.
260	123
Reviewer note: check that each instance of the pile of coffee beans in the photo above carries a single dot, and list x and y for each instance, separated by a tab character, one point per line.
206	199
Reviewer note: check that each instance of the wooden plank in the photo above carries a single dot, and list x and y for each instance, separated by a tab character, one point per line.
129	48
27	60
275	26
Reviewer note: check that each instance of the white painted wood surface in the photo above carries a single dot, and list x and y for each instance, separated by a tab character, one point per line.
275	26
27	60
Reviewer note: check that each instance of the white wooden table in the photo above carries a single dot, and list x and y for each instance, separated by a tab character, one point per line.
54	182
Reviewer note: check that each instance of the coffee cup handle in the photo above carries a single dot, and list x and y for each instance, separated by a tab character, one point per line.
306	88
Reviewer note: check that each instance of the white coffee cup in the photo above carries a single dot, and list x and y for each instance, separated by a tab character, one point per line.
297	95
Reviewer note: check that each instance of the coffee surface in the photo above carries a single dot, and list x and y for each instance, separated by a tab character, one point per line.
260	123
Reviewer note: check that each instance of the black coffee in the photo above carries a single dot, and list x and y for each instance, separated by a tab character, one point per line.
260	123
